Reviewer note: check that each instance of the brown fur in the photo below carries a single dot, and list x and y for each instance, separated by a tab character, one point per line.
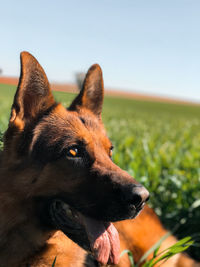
36	168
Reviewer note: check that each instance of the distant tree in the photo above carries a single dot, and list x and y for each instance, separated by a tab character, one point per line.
79	76
1	71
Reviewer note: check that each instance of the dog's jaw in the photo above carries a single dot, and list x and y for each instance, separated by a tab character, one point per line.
98	237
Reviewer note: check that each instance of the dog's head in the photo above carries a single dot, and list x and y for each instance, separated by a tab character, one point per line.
63	160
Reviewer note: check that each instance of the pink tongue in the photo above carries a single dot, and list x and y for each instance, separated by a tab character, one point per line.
104	240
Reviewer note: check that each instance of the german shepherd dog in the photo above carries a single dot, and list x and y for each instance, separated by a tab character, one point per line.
59	185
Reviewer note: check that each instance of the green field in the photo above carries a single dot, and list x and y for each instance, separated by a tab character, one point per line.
157	143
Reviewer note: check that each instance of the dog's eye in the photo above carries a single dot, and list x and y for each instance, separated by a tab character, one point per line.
111	151
73	152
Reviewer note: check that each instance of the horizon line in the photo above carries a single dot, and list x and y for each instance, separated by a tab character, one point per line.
70	87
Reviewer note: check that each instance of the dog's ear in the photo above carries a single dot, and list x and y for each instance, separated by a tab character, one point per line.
33	95
92	93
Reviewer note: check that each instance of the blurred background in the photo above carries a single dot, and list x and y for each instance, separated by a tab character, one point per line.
149	53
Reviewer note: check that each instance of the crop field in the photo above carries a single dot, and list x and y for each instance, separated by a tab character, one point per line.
157	143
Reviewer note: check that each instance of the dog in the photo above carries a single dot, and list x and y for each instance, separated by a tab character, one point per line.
60	189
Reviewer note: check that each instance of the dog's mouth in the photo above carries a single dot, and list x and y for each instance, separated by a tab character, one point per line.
98	237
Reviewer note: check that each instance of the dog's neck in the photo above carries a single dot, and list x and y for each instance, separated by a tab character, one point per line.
20	236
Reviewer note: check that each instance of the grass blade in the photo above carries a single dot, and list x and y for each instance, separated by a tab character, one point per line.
153	248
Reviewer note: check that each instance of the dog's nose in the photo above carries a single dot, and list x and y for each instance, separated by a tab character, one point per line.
136	195
140	195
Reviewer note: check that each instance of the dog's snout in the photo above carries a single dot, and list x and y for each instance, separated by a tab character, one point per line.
136	195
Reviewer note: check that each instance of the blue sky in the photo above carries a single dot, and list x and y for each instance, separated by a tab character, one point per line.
150	46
